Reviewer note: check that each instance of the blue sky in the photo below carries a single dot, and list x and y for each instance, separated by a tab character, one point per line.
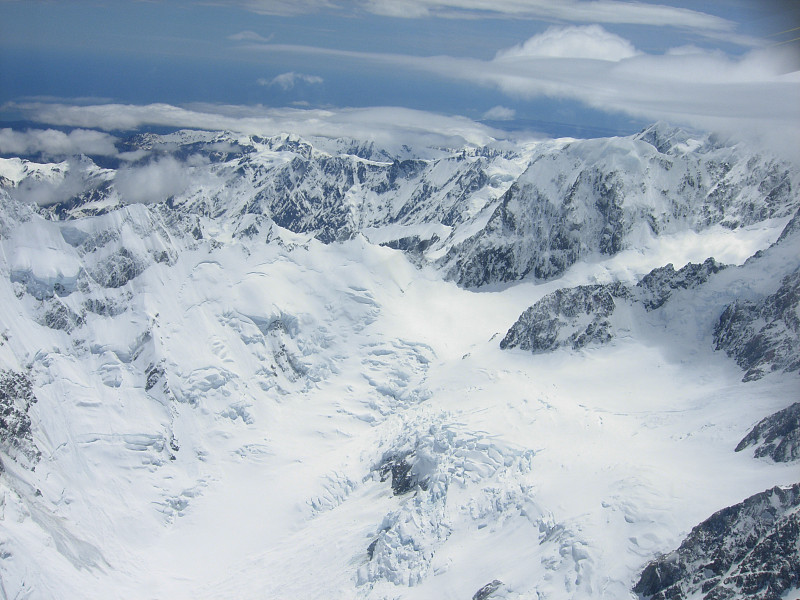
568	67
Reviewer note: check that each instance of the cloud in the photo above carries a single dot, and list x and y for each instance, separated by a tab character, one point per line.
592	42
153	182
499	113
571	11
51	142
388	127
756	93
250	36
287	81
284	8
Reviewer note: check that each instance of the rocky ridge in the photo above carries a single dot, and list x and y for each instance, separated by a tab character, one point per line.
583	316
776	436
483	215
748	550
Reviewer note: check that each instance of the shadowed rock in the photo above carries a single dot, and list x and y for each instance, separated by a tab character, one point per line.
777	436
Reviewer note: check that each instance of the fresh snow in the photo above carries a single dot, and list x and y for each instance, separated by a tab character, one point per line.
218	429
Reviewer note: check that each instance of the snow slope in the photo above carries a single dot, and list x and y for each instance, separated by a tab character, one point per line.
237	391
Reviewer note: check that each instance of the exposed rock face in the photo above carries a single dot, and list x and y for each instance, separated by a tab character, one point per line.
777	436
763	336
749	550
487	590
57	315
571	317
581	316
588	197
16	397
657	286
399	469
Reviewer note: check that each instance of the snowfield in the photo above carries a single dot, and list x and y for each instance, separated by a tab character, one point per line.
263	411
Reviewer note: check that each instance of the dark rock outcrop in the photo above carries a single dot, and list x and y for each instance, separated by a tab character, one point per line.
16	438
776	436
763	336
571	317
657	286
118	269
487	590
581	316
399	467
749	550
57	315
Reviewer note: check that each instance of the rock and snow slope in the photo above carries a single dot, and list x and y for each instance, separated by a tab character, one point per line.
265	382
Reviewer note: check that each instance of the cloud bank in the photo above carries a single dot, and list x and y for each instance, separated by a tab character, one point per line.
388	127
153	182
756	93
51	142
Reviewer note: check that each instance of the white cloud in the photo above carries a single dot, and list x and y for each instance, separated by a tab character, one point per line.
250	36
565	11
389	127
287	81
753	94
572	42
756	93
153	182
284	8
499	113
56	143
570	11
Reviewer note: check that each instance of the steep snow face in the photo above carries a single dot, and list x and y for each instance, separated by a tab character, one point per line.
206	396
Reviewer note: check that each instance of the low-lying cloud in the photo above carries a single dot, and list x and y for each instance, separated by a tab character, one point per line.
388	127
65	183
755	95
52	142
153	182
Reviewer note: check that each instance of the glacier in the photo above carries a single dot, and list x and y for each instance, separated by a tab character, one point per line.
279	367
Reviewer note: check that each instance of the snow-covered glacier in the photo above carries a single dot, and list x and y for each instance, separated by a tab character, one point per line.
277	367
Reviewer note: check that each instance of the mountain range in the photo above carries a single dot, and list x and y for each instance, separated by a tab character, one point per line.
279	367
